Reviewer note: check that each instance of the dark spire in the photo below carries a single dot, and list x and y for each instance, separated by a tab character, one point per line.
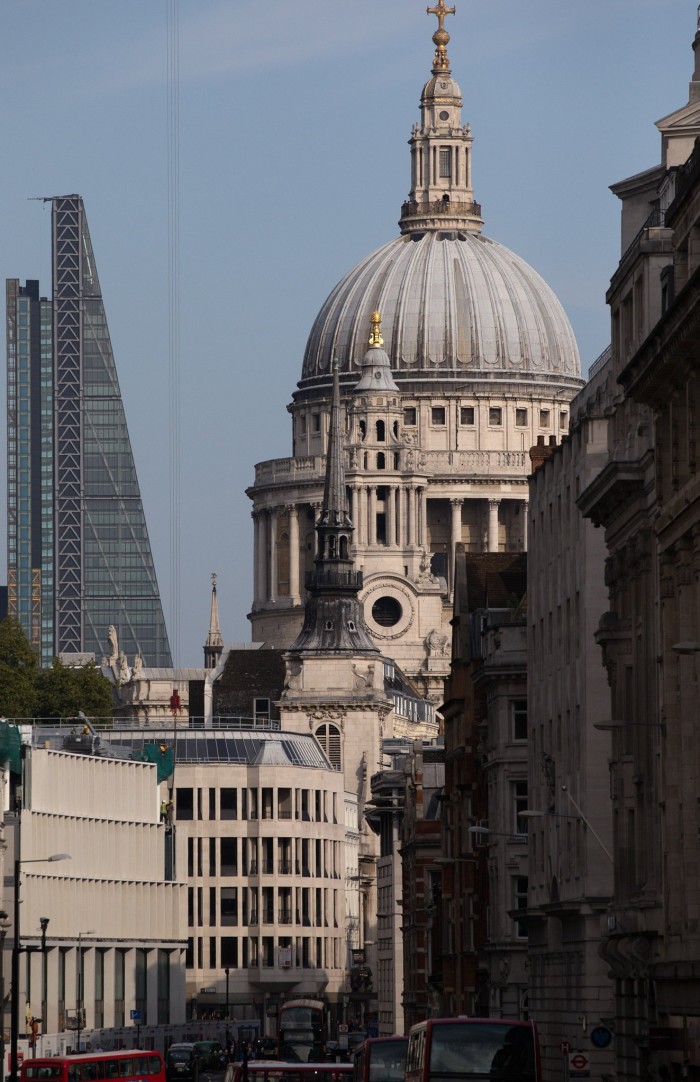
334	513
215	643
333	617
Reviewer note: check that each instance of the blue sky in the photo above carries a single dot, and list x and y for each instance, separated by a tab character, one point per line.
294	121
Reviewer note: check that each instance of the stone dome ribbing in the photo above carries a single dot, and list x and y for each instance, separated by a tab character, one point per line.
454	306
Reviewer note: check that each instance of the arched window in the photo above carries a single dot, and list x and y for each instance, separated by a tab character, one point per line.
381	432
328	737
381	460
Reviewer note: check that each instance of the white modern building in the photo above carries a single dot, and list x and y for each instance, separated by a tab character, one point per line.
115	910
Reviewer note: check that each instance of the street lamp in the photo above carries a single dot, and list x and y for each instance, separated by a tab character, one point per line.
226	971
617	725
79	983
497	833
4	927
686	647
17	947
597	837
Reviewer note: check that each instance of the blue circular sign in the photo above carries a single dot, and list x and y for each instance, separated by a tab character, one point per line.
601	1036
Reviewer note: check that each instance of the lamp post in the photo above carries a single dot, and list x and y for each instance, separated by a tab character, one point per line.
79	984
4	926
226	971
17	947
497	833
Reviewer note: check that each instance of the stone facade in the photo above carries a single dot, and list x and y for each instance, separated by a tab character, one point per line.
484	877
570	870
646	498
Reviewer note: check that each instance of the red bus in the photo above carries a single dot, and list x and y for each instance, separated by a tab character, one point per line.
441	1049
380	1059
302	1031
129	1066
274	1071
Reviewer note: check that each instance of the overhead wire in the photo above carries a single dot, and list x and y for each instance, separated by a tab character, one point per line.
173	170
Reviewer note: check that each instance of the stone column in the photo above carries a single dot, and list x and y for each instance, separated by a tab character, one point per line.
89	986
493	525
525	511
108	993
294	555
152	986
455	536
372	516
274	587
390	516
420	516
51	1021
400	512
260	519
411	516
130	981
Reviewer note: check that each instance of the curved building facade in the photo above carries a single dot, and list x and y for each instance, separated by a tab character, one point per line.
454	358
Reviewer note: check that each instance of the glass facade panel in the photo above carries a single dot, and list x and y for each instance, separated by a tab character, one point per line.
76	524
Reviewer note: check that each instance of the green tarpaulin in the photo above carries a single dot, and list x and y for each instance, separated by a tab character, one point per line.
162	756
10	743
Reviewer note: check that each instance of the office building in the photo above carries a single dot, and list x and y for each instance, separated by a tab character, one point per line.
79	557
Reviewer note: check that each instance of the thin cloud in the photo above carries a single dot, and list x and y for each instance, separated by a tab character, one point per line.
217	40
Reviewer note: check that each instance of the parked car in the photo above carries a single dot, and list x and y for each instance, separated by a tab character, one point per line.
183	1061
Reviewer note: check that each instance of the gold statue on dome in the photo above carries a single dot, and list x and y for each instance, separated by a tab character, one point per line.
375	334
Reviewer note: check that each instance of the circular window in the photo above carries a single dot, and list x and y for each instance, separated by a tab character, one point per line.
387	611
444	115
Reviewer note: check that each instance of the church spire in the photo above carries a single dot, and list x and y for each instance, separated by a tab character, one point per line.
334	512
441	196
333	616
215	643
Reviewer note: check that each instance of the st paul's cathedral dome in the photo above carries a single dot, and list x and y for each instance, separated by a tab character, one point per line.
454	358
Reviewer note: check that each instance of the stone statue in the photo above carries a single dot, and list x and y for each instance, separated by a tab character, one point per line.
292	679
363	680
138	664
123	668
113	643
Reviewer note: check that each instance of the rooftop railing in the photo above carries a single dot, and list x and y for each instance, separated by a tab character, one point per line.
447	208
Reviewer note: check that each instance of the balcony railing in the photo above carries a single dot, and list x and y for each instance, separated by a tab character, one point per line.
442	207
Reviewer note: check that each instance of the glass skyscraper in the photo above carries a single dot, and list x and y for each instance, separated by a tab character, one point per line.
79	557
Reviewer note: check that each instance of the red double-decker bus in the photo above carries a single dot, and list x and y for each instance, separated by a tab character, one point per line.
380	1059
447	1049
302	1030
127	1066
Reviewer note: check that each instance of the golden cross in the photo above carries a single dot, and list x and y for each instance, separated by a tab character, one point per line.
441	11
